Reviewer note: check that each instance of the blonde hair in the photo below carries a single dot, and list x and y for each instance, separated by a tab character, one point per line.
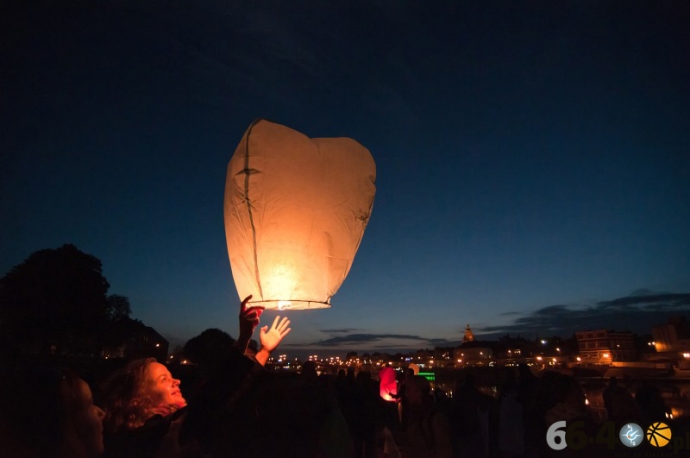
128	400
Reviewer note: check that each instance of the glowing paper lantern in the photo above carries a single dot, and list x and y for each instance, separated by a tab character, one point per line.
388	385
295	213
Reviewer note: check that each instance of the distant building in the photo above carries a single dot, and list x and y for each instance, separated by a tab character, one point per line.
604	347
474	353
511	352
673	336
468	337
422	358
443	357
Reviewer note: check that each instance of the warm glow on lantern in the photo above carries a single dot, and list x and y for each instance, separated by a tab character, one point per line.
279	277
295	213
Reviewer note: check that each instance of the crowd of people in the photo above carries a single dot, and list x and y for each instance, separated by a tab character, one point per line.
238	409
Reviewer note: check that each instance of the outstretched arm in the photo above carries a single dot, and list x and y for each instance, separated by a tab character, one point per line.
249	318
270	338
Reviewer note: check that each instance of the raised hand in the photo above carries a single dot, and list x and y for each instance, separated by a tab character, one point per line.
270	338
249	319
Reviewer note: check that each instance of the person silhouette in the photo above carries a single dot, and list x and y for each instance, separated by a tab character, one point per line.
48	411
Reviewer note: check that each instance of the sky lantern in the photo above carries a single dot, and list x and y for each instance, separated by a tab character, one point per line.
388	385
295	213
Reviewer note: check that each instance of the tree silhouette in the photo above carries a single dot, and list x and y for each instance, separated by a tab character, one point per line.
118	307
55	301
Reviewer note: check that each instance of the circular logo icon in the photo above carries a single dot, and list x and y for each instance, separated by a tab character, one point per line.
659	434
631	435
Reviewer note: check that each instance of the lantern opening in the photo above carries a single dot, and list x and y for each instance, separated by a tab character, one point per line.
282	305
289	305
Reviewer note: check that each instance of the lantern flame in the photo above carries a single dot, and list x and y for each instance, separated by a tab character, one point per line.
282	305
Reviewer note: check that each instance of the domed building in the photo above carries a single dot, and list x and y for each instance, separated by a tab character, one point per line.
468	337
472	352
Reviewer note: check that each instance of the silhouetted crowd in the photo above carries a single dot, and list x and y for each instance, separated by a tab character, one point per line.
234	407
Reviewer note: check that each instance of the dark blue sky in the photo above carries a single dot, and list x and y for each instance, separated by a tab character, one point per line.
533	158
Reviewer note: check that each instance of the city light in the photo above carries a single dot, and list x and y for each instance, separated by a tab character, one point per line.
535	355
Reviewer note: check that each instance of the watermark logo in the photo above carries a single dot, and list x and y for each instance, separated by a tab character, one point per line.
578	435
631	435
555	436
659	434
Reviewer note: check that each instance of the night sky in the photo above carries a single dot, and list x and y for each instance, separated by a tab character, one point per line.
533	158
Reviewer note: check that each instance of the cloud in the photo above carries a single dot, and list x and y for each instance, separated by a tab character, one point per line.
553	310
438	340
341	339
362	339
670	300
391	348
637	313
